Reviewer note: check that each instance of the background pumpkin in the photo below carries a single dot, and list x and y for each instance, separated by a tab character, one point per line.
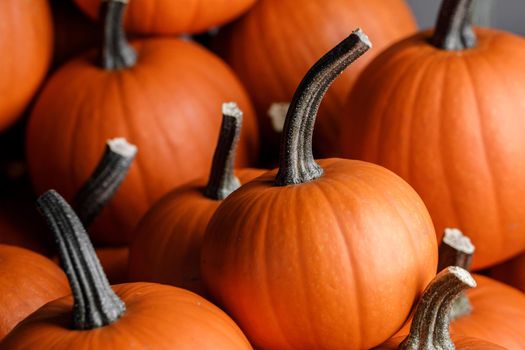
448	118
27	281
168	239
26	44
174	17
168	104
107	319
296	256
276	42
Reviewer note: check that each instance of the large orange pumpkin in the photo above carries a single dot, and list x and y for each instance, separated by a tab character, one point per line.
174	17
26	45
27	281
167	101
168	239
444	110
430	329
137	315
276	42
298	257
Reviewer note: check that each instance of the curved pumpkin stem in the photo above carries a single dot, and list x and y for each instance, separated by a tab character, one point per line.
430	326
456	249
95	303
105	180
297	164
222	181
116	52
453	29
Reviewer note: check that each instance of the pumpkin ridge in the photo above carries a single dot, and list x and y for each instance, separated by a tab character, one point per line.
488	165
381	127
121	91
350	258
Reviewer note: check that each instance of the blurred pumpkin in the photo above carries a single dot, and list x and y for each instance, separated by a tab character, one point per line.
174	17
276	42
27	47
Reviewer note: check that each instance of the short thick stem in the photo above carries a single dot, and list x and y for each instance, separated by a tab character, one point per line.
222	180
453	29
116	53
430	326
105	180
456	249
297	164
95	303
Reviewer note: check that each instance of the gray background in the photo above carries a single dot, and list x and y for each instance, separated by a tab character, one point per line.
506	14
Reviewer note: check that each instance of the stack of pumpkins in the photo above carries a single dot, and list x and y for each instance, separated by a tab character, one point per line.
317	254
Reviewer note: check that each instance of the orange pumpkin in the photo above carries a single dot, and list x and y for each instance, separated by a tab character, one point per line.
27	281
137	315
443	110
168	239
297	257
167	103
27	46
276	42
511	272
430	329
492	311
174	17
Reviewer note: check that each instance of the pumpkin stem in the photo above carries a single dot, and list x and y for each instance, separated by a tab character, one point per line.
456	249
116	52
453	31
430	326
222	181
95	303
105	180
296	163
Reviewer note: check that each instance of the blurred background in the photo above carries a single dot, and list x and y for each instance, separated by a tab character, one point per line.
508	17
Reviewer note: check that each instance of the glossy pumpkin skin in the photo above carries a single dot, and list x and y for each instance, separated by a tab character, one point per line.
27	46
183	320
435	118
169	105
174	17
498	315
303	266
168	239
511	272
270	52
27	281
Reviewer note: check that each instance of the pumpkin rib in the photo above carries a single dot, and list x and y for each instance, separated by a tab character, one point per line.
489	168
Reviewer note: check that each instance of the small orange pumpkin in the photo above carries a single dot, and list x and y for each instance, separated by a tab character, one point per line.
430	328
444	111
136	315
169	237
26	45
492	311
297	256
165	99
174	17
27	281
